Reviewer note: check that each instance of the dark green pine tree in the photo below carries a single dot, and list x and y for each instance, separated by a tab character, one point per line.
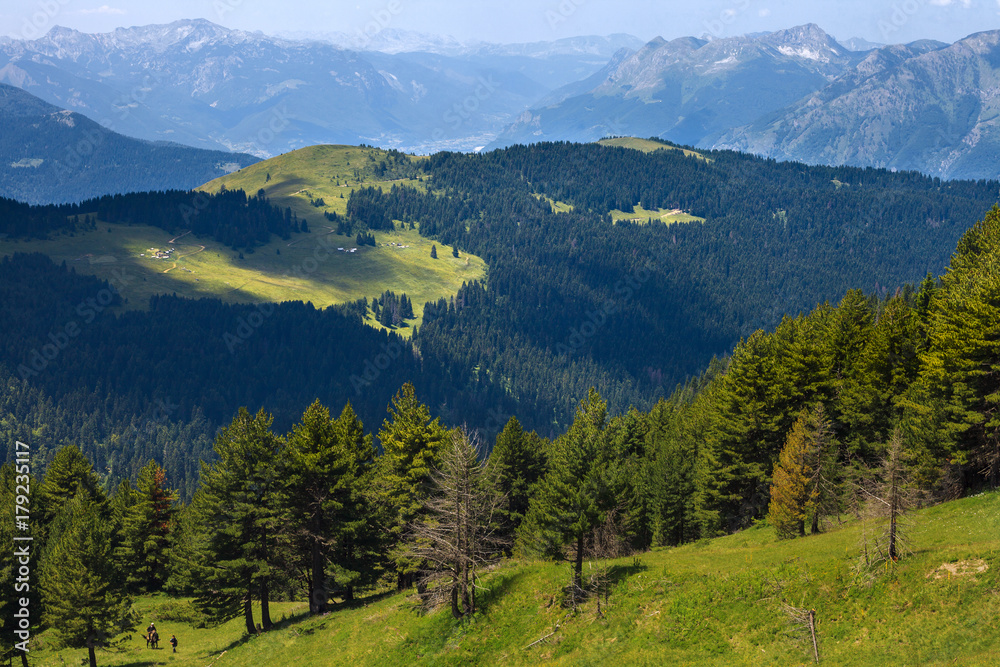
237	509
146	530
357	552
434	252
322	470
519	459
411	442
574	496
86	603
67	475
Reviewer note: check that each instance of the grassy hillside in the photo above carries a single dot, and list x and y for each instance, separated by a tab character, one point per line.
304	176
308	267
648	146
641	215
714	602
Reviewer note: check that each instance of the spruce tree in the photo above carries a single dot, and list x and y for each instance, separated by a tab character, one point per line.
67	475
411	442
86	603
237	508
520	460
574	496
323	469
147	525
434	252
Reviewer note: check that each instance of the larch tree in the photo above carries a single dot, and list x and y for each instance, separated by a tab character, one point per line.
801	486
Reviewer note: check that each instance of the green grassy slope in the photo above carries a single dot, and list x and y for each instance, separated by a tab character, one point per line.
323	172
647	145
305	268
714	603
641	215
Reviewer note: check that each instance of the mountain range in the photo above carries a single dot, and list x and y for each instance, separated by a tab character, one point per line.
794	94
200	84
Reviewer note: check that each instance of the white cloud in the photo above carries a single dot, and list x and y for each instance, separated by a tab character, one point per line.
103	9
767	12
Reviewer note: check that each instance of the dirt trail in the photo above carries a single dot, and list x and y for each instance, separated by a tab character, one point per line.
200	248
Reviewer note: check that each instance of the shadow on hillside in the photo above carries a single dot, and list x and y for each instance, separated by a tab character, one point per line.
499	585
618	573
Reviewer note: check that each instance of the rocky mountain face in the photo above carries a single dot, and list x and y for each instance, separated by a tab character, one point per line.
52	155
198	83
795	95
688	90
924	106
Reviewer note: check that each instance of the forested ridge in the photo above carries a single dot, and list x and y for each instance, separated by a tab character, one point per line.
795	425
572	300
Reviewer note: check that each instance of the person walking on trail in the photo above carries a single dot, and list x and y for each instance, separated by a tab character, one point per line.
173	642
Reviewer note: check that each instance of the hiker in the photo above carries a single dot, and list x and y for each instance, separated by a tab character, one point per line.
173	642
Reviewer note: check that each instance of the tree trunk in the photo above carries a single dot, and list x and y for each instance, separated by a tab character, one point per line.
248	613
318	596
24	659
90	652
815	523
265	611
802	528
578	567
455	611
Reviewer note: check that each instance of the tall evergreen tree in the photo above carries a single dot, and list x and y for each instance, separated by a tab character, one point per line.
86	603
323	468
520	460
238	512
411	442
574	496
145	541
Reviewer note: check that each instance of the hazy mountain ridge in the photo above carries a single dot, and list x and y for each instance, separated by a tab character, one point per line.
688	89
52	155
204	85
915	107
795	94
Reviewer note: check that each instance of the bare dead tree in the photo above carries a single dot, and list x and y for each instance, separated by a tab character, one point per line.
459	534
803	622
889	497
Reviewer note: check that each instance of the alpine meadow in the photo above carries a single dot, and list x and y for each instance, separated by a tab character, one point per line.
384	347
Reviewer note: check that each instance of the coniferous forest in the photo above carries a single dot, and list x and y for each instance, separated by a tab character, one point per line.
610	388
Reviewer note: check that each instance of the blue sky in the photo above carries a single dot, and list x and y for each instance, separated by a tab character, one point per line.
889	21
